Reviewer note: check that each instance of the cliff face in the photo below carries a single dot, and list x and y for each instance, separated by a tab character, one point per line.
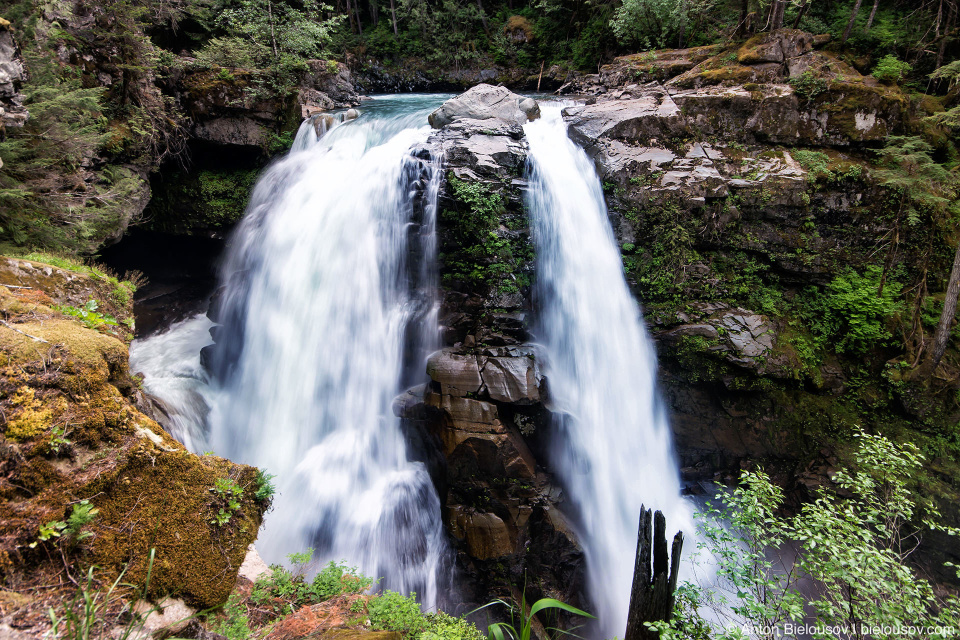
745	190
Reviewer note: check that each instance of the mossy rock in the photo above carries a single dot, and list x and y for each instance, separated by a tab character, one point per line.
71	431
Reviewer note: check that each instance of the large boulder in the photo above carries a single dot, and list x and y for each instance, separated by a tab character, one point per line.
73	431
485	102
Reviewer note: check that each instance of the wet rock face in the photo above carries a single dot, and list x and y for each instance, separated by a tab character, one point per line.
753	155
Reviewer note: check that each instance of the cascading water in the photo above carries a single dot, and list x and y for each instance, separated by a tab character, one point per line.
319	309
327	311
613	450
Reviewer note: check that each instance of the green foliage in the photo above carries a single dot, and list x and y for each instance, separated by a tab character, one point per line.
271	34
851	314
814	162
289	589
235	623
522	627
88	314
90	613
230	52
808	85
891	70
392	611
206	199
82	514
263	489
853	541
338	579
443	626
659	270
656	24
58	439
227	497
924	186
481	255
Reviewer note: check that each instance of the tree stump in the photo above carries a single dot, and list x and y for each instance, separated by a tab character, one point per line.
652	595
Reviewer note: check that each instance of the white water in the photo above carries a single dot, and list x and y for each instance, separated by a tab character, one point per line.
319	309
326	316
613	449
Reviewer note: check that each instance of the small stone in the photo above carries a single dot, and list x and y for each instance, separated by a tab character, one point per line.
530	107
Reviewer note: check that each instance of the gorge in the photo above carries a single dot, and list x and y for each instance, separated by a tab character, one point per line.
427	327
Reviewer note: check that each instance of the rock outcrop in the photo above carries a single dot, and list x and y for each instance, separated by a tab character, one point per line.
73	435
486	399
12	111
737	178
486	102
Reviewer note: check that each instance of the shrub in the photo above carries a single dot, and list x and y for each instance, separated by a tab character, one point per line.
293	590
891	70
854	546
264	488
392	611
808	85
88	315
442	626
851	313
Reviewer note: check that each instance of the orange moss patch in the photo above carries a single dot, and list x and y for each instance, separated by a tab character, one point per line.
333	615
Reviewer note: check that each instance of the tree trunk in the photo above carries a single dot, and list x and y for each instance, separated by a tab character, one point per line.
744	11
942	335
393	18
483	18
273	37
652	595
356	7
951	19
873	12
853	16
374	13
780	6
350	15
803	10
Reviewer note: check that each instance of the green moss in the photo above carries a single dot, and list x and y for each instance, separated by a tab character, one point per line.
31	419
700	364
168	498
481	254
205	200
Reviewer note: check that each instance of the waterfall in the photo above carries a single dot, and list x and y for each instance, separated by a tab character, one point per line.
326	307
613	448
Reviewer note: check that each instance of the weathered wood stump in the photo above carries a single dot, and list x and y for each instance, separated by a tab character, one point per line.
651	598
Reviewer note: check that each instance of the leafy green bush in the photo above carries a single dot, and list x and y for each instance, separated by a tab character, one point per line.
656	24
852	314
235	624
231	52
264	488
442	626
392	611
891	70
854	546
293	590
